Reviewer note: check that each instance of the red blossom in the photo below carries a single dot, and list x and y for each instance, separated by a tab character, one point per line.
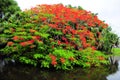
30	42
36	37
23	44
43	19
10	43
59	42
63	38
15	38
26	43
64	31
71	59
53	58
62	60
68	27
54	63
93	48
32	30
74	32
77	23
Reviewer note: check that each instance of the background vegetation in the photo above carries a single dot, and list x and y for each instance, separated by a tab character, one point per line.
7	8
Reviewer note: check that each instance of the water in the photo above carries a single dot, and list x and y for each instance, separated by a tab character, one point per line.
23	72
116	75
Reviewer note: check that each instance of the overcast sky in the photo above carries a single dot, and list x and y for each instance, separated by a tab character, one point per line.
108	10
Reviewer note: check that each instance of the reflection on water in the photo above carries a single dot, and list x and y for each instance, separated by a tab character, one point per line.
2	64
116	75
22	72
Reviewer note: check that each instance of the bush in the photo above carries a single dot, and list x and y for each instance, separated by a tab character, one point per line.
54	36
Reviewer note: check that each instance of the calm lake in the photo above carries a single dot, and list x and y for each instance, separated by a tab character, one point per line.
22	72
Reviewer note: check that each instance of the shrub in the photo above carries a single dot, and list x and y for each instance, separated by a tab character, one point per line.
54	36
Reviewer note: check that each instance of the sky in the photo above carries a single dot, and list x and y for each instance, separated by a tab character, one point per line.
108	10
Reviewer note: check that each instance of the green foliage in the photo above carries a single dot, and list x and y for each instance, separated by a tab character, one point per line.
27	61
63	53
108	40
56	38
37	56
116	51
94	58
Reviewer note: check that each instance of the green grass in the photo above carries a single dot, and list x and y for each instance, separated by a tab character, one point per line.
116	51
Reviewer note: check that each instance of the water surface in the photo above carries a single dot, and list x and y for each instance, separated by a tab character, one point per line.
23	72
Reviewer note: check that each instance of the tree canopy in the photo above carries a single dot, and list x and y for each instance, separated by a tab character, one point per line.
54	36
8	7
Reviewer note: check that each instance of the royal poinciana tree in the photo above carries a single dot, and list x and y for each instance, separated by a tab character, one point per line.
8	7
55	36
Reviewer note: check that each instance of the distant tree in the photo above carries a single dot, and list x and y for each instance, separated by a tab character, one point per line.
8	7
108	41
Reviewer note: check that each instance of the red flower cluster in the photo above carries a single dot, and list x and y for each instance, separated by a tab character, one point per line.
32	30
10	43
62	60
54	62
36	37
26	43
63	17
16	38
71	59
